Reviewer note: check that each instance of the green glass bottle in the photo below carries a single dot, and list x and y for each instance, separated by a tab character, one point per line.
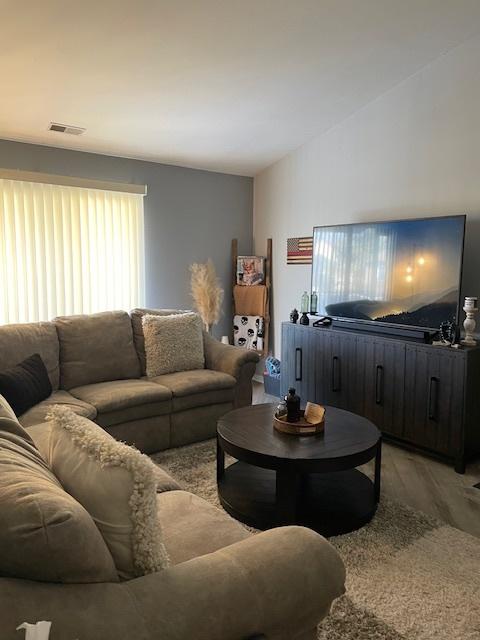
313	303
304	304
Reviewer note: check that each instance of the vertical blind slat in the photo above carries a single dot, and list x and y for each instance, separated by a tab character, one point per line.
66	250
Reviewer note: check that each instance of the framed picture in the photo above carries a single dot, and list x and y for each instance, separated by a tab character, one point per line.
250	270
300	250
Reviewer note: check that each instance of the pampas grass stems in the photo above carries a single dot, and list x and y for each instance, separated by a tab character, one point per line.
206	292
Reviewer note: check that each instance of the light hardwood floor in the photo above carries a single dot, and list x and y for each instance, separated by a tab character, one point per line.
424	484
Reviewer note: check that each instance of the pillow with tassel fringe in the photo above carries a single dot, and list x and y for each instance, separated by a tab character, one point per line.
115	483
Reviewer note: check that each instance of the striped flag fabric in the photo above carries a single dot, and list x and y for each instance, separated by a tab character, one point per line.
299	250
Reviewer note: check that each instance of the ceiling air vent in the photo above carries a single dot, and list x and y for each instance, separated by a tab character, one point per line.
66	128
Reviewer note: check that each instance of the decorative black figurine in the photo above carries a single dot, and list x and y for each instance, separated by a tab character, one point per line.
304	319
294	316
293	406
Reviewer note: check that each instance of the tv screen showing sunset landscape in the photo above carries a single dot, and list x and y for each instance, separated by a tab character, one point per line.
405	272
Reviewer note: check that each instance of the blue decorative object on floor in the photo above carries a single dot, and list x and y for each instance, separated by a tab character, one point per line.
271	376
272	365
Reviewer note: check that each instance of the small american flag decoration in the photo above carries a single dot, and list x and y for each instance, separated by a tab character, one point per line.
299	250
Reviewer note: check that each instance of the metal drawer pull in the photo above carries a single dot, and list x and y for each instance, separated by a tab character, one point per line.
379	385
336	373
298	364
433	398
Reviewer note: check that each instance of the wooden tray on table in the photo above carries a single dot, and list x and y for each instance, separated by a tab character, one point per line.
312	421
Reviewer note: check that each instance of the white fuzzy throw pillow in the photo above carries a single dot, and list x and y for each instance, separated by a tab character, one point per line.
116	484
173	343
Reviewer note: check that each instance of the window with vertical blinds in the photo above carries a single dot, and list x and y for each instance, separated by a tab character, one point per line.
67	250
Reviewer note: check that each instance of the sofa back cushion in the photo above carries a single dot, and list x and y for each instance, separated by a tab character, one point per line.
96	348
45	534
19	341
138	335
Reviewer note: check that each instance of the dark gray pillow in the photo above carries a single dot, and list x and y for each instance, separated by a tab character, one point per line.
26	384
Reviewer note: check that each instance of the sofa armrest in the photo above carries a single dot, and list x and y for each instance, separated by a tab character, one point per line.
165	482
279	583
225	357
237	362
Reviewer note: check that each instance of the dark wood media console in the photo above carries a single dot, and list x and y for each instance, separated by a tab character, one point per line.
421	396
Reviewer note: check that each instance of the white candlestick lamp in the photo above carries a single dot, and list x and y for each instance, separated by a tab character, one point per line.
471	308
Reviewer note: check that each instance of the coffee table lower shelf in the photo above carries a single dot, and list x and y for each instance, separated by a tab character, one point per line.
330	503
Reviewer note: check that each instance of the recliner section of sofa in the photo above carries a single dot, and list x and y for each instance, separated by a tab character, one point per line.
223	583
240	364
96	364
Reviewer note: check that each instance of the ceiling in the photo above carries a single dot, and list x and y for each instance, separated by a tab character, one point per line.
225	85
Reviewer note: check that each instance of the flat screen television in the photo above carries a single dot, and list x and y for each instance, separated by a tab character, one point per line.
403	272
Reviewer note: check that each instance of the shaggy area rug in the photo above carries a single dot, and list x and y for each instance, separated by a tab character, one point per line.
409	577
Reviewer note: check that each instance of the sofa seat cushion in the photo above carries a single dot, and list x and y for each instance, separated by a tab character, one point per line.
45	534
132	415
121	394
192	527
197	388
186	383
38	413
96	348
205	399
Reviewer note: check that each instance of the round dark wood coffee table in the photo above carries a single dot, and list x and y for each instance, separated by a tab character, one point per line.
282	479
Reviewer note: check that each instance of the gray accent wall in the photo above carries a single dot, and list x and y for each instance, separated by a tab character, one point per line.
190	215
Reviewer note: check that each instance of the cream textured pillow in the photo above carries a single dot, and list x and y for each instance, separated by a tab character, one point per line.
173	343
116	484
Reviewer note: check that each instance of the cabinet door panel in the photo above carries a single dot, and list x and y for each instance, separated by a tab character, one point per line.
384	385
338	383
321	344
287	358
434	386
298	361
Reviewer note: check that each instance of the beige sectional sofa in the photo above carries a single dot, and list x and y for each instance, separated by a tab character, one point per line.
222	583
96	365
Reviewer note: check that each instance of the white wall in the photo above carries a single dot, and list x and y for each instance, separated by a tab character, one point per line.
415	151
